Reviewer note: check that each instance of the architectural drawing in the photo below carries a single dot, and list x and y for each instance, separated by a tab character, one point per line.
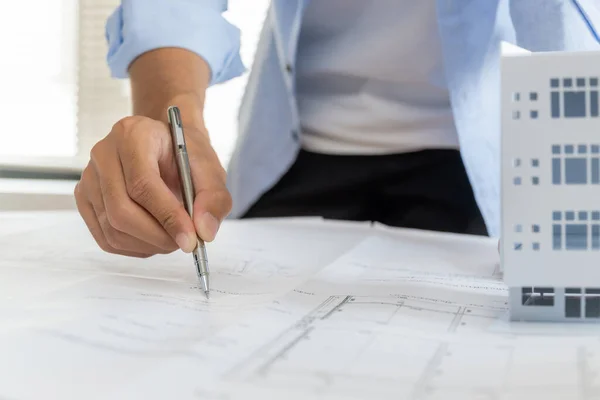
551	184
375	313
355	347
430	335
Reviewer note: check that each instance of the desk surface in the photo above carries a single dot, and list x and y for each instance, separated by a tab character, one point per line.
300	309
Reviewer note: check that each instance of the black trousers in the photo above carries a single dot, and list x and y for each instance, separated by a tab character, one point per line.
422	190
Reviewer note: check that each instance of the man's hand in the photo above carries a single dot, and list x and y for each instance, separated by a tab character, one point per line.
129	194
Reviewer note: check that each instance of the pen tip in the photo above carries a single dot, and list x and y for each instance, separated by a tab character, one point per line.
207	294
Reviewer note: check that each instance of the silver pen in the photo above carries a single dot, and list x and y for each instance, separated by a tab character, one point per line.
187	191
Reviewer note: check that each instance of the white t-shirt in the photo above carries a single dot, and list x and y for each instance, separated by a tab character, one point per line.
370	78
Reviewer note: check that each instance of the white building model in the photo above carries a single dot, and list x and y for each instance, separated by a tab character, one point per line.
551	184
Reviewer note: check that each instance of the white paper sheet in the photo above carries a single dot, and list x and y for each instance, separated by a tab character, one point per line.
110	316
300	309
359	332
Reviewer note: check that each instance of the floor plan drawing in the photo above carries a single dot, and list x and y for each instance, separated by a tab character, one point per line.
406	347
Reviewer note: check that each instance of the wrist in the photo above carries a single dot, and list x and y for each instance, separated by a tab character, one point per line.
170	77
191	106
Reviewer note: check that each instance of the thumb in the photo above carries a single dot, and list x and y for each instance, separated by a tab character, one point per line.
211	207
212	199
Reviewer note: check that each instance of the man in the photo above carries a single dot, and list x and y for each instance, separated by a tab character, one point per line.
354	110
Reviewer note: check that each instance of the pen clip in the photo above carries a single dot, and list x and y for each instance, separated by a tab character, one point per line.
174	117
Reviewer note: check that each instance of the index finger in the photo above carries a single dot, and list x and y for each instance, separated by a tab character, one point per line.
145	186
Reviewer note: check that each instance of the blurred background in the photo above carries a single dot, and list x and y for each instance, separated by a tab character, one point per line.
58	98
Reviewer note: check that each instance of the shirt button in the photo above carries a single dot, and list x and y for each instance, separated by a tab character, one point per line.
289	68
295	135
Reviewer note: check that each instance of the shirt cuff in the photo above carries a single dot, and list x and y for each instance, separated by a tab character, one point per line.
138	26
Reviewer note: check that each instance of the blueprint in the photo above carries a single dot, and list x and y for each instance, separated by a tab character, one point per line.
300	309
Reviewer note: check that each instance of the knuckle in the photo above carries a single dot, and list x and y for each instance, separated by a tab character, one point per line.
126	124
112	238
106	247
111	235
94	150
77	190
128	129
79	197
86	175
97	150
168	220
99	236
103	243
224	200
117	214
139	188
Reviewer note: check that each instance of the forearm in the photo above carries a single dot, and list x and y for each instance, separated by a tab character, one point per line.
166	77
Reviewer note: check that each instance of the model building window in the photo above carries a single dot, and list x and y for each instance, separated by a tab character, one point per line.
580	304
556	237
576	168
594	97
573	302
557	230
518	228
537	296
574	97
576	236
556	165
592	303
595	237
579	232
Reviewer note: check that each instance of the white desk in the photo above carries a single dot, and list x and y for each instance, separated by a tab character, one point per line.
300	309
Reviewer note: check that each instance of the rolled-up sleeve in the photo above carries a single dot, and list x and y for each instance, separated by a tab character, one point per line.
138	26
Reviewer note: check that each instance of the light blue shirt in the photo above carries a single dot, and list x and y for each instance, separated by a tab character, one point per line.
471	32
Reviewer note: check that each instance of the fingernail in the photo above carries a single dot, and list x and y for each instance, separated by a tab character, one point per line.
186	242
209	226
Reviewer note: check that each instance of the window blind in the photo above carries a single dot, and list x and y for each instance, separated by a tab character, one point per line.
102	101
